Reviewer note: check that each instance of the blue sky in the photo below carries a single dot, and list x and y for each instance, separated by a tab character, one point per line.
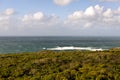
59	17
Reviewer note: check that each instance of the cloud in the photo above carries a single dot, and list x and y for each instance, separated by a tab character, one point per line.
9	11
94	16
6	19
92	20
108	13
62	2
38	16
109	0
90	11
35	16
40	19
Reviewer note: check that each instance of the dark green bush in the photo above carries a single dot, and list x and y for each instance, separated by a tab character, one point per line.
61	65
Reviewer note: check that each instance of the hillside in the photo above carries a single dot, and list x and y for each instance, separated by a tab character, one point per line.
61	65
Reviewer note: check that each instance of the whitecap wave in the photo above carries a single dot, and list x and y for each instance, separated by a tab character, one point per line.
76	48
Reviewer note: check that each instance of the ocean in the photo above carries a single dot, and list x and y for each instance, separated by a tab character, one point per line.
32	44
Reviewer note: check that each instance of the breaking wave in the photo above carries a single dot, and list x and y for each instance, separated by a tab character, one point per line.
75	48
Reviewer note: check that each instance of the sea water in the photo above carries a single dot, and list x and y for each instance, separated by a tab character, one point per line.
31	44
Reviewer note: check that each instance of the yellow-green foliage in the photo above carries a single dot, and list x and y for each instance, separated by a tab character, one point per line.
61	65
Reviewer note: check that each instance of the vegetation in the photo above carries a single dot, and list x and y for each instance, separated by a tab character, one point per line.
61	65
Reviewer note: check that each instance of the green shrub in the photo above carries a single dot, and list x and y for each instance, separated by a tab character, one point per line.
61	65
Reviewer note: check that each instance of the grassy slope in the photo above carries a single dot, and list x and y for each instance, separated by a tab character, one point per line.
63	65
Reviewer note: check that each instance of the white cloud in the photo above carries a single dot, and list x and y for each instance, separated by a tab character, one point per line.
6	19
28	24
111	0
90	11
9	11
94	16
117	11
108	13
90	20
76	15
27	17
88	24
35	16
39	19
38	16
107	0
62	2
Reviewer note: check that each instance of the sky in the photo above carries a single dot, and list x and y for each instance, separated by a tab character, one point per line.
59	17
